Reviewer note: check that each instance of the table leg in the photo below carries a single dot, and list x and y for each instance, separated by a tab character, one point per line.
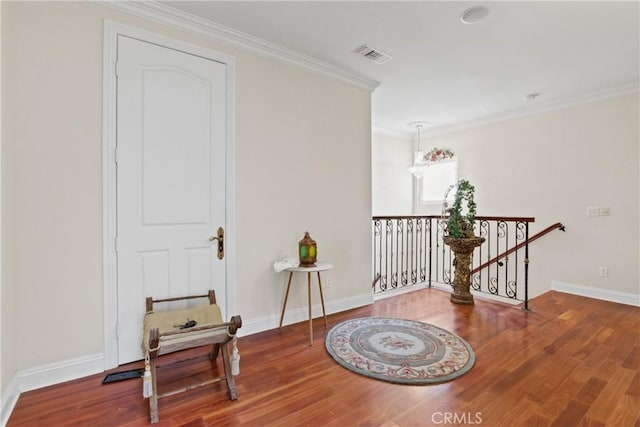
310	318
286	295
322	300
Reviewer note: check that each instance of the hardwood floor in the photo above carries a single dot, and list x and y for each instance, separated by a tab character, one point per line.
571	361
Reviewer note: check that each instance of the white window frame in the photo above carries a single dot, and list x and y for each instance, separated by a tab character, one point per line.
419	180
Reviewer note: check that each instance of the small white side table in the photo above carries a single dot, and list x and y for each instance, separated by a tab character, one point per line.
320	266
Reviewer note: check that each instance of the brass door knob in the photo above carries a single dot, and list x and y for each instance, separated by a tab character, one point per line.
220	239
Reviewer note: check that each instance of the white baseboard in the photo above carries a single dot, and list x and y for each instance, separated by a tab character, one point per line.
344	304
597	293
54	373
265	323
8	400
46	375
479	295
400	291
445	288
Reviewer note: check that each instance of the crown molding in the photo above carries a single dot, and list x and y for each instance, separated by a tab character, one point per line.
539	108
192	24
559	104
392	133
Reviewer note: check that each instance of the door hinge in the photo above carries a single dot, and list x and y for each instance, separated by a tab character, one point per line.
117	65
116	155
117	330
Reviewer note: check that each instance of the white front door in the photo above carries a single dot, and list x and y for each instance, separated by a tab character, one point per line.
171	130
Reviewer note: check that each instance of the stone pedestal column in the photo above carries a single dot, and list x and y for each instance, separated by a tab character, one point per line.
463	249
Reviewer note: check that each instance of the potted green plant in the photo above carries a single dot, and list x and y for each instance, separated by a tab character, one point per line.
462	240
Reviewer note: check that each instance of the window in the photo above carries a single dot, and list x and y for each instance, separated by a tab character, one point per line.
433	181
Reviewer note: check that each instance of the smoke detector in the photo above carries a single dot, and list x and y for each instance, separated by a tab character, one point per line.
373	54
474	14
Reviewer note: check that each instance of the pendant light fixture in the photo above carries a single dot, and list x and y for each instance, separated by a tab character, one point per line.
418	155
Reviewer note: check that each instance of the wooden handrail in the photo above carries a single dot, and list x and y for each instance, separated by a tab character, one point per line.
547	230
506	218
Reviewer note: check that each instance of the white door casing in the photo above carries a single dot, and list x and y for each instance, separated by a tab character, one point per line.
173	159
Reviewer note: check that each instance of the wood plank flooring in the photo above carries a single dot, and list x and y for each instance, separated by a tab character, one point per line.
571	361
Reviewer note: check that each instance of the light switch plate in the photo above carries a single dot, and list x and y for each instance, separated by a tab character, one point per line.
593	211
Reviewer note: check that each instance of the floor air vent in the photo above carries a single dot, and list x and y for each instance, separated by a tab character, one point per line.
373	54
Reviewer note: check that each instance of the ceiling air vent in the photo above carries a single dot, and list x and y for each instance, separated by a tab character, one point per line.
373	54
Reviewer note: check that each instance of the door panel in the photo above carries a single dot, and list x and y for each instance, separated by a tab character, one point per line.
171	196
171	134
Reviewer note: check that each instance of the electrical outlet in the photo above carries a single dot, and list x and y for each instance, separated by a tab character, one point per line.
328	283
604	271
603	211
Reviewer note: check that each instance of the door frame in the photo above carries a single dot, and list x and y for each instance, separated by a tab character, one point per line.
112	30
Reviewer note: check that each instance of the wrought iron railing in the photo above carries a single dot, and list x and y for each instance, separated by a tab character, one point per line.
408	250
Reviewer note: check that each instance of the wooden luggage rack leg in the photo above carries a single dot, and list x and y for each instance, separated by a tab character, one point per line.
219	345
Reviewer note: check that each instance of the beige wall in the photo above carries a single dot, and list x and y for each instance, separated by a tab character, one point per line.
8	359
303	163
2	241
302	157
391	181
52	95
552	166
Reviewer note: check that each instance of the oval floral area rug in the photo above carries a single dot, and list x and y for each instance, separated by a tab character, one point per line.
399	351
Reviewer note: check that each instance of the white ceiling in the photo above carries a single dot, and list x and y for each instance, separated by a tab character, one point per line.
449	73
